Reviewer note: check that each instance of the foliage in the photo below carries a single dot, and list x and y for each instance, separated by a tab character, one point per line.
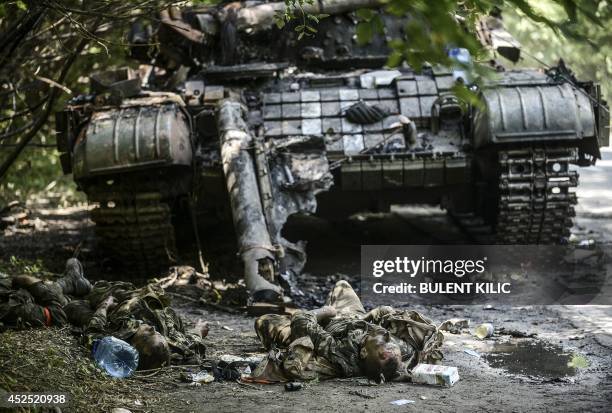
15	265
37	175
435	26
295	9
51	360
46	48
369	25
590	60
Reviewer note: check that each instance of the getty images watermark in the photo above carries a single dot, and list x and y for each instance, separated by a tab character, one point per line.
483	274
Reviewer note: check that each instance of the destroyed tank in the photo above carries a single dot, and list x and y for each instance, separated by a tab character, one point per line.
237	118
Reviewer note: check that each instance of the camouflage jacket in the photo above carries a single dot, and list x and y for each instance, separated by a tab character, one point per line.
43	304
135	306
332	350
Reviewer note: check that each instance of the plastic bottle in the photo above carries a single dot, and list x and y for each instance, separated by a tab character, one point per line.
484	331
117	357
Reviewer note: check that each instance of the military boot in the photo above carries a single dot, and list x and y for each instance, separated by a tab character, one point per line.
74	282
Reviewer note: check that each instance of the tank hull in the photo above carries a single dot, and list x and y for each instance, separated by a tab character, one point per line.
321	127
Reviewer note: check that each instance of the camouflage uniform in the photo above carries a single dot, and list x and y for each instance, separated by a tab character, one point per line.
136	306
39	305
44	304
302	349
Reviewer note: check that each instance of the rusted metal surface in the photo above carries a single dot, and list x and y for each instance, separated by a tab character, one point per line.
256	248
133	137
266	185
299	170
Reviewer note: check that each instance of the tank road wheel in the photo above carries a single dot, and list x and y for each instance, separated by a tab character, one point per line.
137	231
528	200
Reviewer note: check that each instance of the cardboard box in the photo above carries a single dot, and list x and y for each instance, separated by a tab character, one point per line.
434	374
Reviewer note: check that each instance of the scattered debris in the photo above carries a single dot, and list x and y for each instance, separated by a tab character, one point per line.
484	330
184	279
516	333
228	328
402	402
294	386
120	410
202	377
422	397
234	368
586	243
454	325
201	328
471	352
229	358
361	394
435	374
16	216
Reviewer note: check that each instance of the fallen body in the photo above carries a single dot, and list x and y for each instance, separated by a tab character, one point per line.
140	316
342	340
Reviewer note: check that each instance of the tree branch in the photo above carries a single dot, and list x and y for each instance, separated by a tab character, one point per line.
53	95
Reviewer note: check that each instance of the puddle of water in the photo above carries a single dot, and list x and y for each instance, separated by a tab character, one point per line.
532	358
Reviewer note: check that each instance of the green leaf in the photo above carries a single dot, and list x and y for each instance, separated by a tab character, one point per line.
466	96
395	59
365	14
377	25
571	9
526	8
364	33
21	5
396	44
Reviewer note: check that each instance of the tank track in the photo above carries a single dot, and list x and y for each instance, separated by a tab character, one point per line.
137	231
534	201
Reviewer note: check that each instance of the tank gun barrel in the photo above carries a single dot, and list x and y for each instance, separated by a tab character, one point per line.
241	179
261	16
257	17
